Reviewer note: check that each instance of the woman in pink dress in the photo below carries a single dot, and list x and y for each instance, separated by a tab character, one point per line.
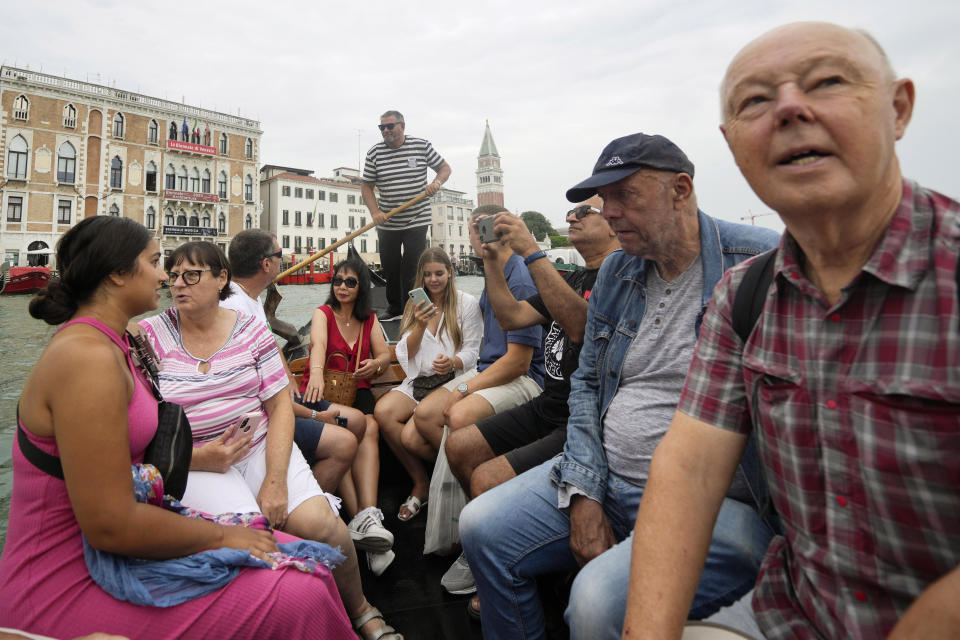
86	403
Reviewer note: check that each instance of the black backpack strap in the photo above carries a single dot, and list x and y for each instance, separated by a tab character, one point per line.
752	293
37	457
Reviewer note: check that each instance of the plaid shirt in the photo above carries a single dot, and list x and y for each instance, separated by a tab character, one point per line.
858	408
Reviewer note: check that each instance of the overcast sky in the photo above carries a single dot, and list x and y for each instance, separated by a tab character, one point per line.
557	80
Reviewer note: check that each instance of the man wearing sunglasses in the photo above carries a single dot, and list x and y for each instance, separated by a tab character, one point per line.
642	321
397	167
254	262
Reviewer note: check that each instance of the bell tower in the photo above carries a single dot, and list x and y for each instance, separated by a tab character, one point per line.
489	173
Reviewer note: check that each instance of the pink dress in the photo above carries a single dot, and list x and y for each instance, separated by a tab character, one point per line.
45	587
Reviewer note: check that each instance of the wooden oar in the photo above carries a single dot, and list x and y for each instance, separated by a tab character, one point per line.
316	256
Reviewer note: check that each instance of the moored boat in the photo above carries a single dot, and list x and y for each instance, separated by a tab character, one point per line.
15	280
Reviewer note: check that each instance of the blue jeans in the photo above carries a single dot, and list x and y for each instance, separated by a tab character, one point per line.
515	532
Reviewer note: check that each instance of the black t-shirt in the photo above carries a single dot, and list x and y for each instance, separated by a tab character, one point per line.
560	355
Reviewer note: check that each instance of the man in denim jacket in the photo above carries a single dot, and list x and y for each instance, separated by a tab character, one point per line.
642	323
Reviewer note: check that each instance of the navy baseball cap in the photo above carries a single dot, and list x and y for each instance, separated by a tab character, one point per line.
625	156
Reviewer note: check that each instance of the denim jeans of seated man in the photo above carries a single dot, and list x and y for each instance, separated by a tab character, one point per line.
515	532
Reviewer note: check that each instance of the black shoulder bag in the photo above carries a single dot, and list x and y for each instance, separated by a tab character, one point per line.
170	450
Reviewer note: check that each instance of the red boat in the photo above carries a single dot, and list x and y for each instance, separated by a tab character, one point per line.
311	274
24	279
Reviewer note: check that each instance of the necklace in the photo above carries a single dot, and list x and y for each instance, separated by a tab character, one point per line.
345	320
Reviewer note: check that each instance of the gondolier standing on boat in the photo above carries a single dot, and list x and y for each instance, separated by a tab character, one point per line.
398	168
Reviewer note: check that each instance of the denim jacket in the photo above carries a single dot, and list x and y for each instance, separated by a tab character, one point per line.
613	317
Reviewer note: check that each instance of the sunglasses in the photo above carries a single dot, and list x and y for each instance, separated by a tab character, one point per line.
389	126
351	282
190	276
276	254
582	211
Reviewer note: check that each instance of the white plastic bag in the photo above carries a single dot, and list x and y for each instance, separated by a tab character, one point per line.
447	499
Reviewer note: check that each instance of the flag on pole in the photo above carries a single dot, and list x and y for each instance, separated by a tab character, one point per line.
184	130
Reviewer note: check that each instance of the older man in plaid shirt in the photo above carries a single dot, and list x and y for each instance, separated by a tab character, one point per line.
850	378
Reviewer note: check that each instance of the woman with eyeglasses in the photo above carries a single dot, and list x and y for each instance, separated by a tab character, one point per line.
89	406
223	366
437	338
345	335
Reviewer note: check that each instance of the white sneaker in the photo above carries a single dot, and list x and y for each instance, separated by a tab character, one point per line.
367	533
378	562
458	580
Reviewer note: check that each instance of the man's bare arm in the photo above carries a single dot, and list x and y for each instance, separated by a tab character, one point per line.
370	199
689	477
565	305
510	312
934	614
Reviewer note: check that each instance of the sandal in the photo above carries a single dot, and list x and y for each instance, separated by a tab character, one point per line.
385	631
473	607
413	505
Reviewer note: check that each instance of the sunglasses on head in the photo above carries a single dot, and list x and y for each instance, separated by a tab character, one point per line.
351	282
582	211
389	126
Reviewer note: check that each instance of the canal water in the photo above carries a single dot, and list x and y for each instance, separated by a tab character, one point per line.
22	339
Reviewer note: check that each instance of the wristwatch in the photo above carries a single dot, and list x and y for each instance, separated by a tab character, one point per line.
462	388
536	255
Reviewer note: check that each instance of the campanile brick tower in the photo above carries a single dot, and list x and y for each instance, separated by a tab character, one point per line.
489	173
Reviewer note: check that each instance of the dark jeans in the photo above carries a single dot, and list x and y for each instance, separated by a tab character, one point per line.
400	269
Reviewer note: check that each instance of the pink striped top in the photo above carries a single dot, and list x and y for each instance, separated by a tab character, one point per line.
244	373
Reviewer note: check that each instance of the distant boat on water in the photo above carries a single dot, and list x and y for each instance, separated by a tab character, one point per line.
15	280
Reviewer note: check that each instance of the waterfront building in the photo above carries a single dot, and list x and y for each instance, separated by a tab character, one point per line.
71	149
308	214
450	212
489	173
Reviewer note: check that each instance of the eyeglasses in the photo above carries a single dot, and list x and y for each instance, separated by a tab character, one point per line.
190	276
351	282
276	254
389	126
582	211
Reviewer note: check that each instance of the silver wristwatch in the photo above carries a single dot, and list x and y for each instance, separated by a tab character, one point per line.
462	388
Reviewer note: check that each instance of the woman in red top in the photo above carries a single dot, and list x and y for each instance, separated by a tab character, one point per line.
347	324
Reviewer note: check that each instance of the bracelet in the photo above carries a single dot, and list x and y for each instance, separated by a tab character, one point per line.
536	255
317	367
313	414
379	367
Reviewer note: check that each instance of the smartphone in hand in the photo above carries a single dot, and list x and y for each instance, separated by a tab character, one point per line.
418	295
485	229
248	422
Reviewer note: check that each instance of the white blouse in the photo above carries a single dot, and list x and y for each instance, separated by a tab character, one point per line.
470	320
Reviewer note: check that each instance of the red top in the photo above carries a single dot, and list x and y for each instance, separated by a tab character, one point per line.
336	342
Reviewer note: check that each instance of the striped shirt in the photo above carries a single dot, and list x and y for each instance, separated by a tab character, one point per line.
244	373
856	408
401	174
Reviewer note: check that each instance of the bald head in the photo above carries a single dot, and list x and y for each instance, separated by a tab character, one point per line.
813	37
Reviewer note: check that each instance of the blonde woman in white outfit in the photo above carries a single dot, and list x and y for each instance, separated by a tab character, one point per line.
437	337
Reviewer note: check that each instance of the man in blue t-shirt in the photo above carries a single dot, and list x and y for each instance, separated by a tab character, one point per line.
510	369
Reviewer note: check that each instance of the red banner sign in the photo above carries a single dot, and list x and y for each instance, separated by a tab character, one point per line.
190	195
191	147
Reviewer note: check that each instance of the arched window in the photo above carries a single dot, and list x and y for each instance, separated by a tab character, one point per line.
168	217
194	180
151	183
194	219
222	185
116	173
249	148
205	181
150	219
153	132
17	158
205	221
181	218
66	163
182	178
172	135
249	222
21	107
222	223
70	117
223	143
118	125
170	179
115	211
248	188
